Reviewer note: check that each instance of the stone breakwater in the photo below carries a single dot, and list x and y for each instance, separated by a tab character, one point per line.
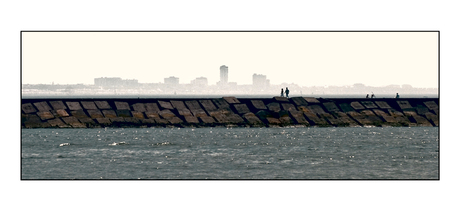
229	112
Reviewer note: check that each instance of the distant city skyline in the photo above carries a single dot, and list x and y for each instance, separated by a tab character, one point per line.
303	58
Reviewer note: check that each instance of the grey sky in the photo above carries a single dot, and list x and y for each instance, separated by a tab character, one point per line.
304	58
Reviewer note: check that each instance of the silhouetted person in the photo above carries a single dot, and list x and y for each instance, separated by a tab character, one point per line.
287	92
282	92
372	96
397	95
367	96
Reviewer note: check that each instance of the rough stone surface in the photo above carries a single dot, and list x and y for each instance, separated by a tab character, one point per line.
231	100
167	114
102	105
44	115
74	105
316	109
122	105
241	108
311	100
60	113
404	104
220	103
299	101
28	108
431	105
356	105
288	107
152	107
95	113
137	114
274	107
58	105
152	115
368	104
382	104
88	105
191	120
195	108
208	105
346	107
258	104
124	113
140	107
58	123
281	99
42	106
78	113
165	104
207	119
252	119
109	113
331	107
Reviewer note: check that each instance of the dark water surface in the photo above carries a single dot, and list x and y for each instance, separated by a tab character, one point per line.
233	153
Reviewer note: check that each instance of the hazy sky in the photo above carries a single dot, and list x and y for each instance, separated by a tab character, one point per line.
303	58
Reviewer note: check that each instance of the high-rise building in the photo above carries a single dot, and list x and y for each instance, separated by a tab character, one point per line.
201	81
260	80
172	80
223	74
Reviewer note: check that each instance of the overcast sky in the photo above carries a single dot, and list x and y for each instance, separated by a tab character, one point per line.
303	58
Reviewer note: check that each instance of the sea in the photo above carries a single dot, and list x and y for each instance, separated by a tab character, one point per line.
290	153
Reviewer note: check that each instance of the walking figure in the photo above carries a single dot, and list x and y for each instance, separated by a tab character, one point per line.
282	92
367	96
372	96
287	92
397	95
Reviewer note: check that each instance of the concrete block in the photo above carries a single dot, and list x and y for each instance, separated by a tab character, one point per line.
30	118
191	120
433	118
274	107
109	113
74	106
58	123
368	104
167	114
231	100
44	115
175	120
252	119
152	115
195	108
421	110
332	120
102	105
220	117
316	109
383	104
152	107
299	101
122	105
88	105
273	121
241	108
124	113
86	120
103	121
184	112
28	108
298	117
395	113
69	120
58	105
331	107
165	105
258	104
161	121
78	113
149	122
311	100
235	119
139	107
177	104
137	114
263	115
208	105
281	99
286	120
313	118
410	113
421	121
356	105
95	113
379	112
207	119
42	106
431	105
288	107
60	113
220	103
404	104
132	120
304	109
346	107
117	120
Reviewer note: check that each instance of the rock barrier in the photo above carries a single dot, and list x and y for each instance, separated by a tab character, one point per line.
229	112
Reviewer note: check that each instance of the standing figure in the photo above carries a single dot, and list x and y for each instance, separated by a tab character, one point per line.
282	92
397	95
372	96
287	92
367	96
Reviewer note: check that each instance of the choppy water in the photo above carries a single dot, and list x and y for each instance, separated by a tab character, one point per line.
234	153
